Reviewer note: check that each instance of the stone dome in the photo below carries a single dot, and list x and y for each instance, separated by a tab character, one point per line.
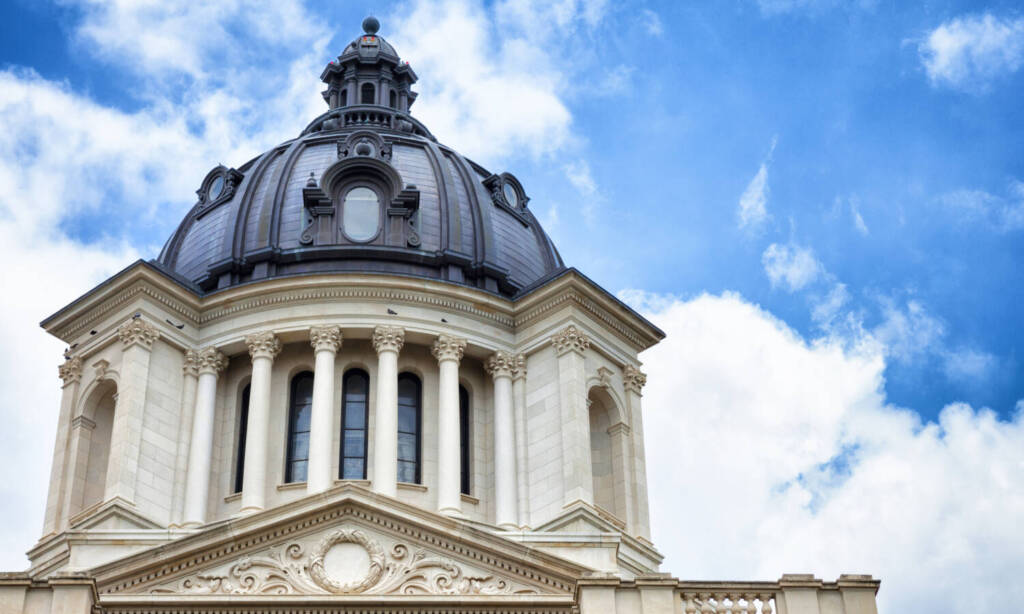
365	188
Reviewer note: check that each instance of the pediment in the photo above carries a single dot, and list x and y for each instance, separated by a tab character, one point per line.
354	544
113	515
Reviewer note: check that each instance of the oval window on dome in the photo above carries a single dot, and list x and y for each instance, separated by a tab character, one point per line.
361	216
215	188
511	197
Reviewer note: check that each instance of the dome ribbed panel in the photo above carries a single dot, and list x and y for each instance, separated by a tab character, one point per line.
316	159
518	250
253	229
465	213
415	168
202	242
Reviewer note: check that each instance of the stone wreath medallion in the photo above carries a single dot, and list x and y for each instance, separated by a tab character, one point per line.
320	575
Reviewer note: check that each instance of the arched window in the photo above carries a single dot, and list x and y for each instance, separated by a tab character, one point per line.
360	216
367	94
409	420
393	99
300	408
355	390
464	438
243	424
343	98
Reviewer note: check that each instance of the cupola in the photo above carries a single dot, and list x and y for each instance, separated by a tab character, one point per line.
369	72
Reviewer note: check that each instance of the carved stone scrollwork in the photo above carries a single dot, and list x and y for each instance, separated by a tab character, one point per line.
634	379
448	348
604	376
210	360
326	337
570	339
71	370
388	338
137	332
358	585
191	366
500	364
263	344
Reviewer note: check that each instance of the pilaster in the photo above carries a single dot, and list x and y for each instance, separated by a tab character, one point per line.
189	380
522	447
577	476
60	473
634	381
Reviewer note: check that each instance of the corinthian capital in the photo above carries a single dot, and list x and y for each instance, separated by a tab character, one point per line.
71	370
519	366
570	339
448	348
137	331
500	364
191	366
210	360
634	379
263	344
388	338
326	337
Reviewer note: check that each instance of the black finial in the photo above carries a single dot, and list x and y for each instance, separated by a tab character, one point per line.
371	25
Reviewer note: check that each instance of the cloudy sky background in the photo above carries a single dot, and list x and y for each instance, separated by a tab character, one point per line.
820	201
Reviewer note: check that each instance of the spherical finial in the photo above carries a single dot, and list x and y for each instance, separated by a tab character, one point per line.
371	25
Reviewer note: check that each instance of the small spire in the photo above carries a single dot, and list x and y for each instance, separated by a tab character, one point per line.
311	182
371	25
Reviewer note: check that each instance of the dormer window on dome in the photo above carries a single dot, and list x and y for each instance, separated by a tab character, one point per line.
218	187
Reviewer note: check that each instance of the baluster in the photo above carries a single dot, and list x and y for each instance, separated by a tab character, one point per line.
766	604
751	606
691	607
705	604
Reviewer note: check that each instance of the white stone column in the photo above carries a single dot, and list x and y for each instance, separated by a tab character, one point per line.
200	452
62	470
326	340
577	475
633	381
189	382
263	348
500	365
137	337
388	341
522	449
448	352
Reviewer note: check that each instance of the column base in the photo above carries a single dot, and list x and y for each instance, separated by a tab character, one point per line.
245	511
454	512
509	526
191	524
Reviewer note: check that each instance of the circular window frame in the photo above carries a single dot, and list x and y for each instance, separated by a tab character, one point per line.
342	191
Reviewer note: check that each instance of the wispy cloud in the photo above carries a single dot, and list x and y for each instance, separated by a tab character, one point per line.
970	52
651	22
579	176
1000	213
752	210
791	266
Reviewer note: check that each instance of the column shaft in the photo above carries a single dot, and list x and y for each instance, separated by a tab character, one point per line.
387	340
325	341
263	347
522	450
501	365
448	352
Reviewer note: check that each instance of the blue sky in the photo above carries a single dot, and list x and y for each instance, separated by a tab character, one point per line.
836	176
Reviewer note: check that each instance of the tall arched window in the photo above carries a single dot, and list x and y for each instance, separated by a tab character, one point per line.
464	438
299	410
409	421
366	94
393	99
354	402
343	98
243	424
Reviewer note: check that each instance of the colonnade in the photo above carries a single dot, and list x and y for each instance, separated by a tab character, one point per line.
326	340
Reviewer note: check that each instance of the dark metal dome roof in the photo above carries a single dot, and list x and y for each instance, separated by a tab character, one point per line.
288	212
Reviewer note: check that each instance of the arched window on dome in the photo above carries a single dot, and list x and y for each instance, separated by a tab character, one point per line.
393	99
367	94
464	438
360	213
343	98
300	408
355	390
243	424
409	423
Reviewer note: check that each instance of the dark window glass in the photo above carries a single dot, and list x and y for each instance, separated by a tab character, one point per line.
354	401
342	98
409	420
243	424
367	94
464	438
299	414
393	100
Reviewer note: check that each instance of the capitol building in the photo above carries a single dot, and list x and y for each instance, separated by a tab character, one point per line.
360	378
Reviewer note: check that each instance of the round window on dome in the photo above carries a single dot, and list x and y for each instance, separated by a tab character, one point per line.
216	187
511	197
361	214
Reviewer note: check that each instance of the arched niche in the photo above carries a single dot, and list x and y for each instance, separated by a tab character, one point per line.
91	432
606	452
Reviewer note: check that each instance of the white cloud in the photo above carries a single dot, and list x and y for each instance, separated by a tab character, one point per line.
967	364
908	330
791	266
858	220
652	22
752	212
770	453
1001	213
970	52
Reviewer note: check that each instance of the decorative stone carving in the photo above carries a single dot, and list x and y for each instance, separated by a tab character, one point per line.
71	370
137	332
570	339
326	337
388	338
500	364
101	369
604	376
264	344
301	567
210	360
191	366
446	347
519	366
634	379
